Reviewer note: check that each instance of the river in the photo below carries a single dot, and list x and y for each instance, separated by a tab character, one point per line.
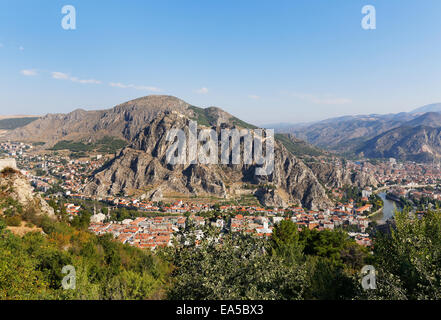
388	209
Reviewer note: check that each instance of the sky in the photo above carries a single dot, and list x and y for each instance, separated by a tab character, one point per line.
263	61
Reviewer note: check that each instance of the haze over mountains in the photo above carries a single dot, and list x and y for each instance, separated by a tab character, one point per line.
406	135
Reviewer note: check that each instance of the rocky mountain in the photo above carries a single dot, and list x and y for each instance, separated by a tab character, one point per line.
420	143
415	140
333	176
345	133
123	121
405	135
434	107
429	119
13	185
142	167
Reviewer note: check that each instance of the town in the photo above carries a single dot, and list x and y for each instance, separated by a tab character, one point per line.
152	224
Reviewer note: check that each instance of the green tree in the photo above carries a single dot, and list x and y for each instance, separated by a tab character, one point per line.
285	241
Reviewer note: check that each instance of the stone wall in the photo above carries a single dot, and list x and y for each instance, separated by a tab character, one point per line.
5	163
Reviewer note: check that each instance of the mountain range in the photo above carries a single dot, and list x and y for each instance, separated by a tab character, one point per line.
141	168
406	136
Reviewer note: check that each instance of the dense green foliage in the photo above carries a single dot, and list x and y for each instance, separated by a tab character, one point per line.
298	147
105	145
320	265
237	269
201	116
30	266
291	264
409	261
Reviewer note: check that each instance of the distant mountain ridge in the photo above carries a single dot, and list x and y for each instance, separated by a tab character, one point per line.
366	134
417	140
419	143
434	107
15	122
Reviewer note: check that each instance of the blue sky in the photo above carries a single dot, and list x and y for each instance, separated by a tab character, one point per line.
263	61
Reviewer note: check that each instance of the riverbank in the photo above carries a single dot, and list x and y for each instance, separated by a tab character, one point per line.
376	212
387	211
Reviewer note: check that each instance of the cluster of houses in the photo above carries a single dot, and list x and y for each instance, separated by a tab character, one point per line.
144	233
158	231
153	232
391	172
362	239
14	149
424	193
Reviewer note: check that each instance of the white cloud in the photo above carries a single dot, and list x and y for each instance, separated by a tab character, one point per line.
321	100
254	97
202	90
29	72
21	48
85	81
65	76
132	86
60	75
118	85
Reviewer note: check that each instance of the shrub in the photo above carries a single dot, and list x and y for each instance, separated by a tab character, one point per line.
8	171
14	221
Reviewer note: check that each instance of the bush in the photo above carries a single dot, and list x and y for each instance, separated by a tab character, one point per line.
8	171
14	221
29	225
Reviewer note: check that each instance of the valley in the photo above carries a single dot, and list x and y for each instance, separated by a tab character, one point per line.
115	160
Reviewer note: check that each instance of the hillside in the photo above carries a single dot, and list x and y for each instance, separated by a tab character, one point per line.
434	107
124	121
17	196
14	123
405	135
298	147
345	133
416	140
142	166
420	143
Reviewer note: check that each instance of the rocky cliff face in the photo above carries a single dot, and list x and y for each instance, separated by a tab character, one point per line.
14	185
336	177
143	166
